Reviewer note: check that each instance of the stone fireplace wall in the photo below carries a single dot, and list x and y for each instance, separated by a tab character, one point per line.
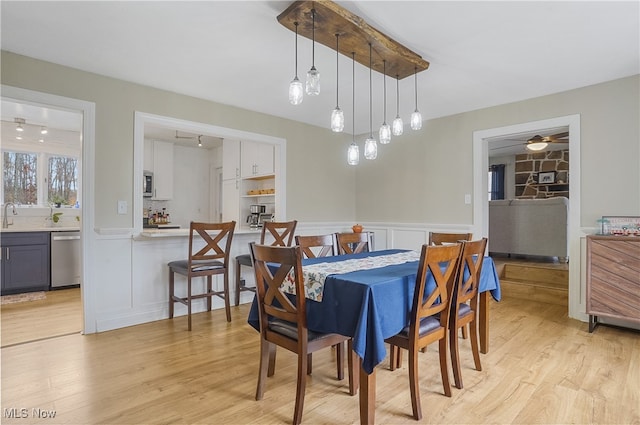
527	169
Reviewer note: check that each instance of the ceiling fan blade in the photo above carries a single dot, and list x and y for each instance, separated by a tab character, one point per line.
554	137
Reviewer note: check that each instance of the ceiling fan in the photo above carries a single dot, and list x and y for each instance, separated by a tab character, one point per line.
537	142
199	137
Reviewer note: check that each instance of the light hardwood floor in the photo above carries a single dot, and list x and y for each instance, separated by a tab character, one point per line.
542	368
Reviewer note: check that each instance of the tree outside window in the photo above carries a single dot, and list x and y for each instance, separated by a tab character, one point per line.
62	180
20	178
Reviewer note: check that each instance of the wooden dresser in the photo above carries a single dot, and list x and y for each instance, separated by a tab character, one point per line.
613	278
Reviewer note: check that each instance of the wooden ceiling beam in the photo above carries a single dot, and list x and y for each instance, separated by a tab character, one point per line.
355	36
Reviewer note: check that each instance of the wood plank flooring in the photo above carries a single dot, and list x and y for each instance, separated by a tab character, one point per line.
542	368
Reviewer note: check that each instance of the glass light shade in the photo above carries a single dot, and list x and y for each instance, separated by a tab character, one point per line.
397	127
313	82
370	149
416	120
43	130
295	92
337	120
353	154
385	133
19	128
537	146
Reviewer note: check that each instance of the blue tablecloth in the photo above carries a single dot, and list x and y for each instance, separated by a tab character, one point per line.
371	305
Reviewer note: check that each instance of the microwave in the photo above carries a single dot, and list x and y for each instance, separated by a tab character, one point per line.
147	184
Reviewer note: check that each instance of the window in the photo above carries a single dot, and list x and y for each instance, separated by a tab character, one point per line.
20	178
496	182
39	178
62	180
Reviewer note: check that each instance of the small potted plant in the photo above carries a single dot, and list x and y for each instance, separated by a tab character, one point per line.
57	200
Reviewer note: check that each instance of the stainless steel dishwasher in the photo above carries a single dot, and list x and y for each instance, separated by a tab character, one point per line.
65	258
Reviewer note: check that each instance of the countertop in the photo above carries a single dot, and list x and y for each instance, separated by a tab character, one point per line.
166	233
12	229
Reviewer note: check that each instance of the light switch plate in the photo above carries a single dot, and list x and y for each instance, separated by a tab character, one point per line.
467	199
122	207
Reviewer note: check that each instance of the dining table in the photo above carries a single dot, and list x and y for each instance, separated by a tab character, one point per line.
368	296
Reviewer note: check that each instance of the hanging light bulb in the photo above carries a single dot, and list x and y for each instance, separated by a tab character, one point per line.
398	126
416	118
337	116
353	153
385	130
313	76
370	145
199	141
295	88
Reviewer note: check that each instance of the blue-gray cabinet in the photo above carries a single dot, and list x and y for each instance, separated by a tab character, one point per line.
25	262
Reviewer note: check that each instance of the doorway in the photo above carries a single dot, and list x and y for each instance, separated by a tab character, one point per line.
52	108
481	143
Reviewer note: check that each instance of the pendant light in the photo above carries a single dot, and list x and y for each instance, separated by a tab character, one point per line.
337	116
295	88
313	76
385	130
416	118
370	145
353	153
398	126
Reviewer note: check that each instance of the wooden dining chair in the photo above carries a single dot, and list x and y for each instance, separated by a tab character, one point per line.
437	238
318	246
280	234
354	243
209	246
430	314
465	304
283	322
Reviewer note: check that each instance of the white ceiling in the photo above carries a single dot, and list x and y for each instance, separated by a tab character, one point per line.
236	53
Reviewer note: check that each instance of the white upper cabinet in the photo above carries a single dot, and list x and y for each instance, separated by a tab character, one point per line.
230	159
158	158
256	159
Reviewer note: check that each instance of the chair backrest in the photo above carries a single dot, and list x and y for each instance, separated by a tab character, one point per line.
217	239
437	273
281	232
353	243
436	238
469	274
317	246
272	302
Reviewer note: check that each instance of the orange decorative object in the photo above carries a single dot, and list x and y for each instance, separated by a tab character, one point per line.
356	228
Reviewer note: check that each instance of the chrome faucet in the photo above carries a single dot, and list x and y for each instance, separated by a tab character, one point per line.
5	220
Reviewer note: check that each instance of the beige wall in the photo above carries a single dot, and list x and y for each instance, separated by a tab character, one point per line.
421	177
320	185
434	166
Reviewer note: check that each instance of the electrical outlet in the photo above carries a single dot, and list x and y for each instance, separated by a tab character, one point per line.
467	199
122	207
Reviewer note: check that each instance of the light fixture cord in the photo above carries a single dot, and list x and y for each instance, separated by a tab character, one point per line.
416	75
337	74
384	85
370	90
353	103
296	24
397	95
313	38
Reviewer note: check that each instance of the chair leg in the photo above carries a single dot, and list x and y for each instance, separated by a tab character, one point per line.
475	347
189	303
209	286
227	307
272	359
265	358
171	292
340	360
464	332
444	370
414	384
309	363
393	352
455	357
354	368
237	295
300	388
